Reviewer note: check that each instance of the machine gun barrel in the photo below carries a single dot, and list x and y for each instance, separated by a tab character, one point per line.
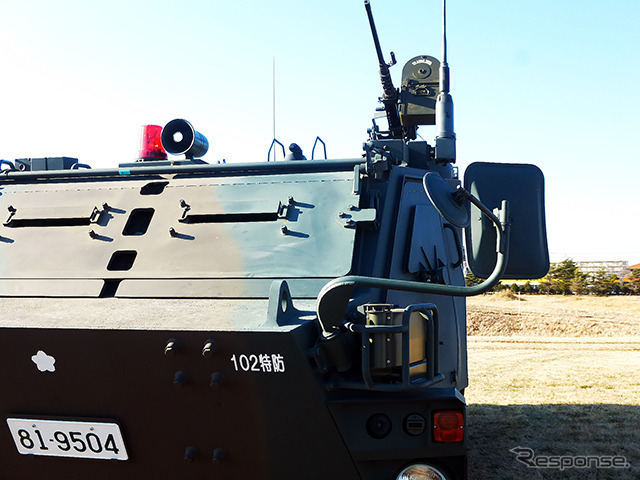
376	40
390	97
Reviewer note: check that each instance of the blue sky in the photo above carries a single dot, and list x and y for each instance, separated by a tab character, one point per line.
547	82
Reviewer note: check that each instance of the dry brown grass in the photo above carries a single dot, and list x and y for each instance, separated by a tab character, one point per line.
573	316
561	376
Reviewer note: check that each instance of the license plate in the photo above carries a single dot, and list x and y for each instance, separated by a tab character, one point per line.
57	438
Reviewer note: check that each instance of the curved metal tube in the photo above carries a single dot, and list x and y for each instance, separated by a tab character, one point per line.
7	162
334	297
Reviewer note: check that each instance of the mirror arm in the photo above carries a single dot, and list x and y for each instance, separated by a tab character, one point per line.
334	297
461	194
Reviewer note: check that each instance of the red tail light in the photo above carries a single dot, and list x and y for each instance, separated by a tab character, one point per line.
448	426
150	144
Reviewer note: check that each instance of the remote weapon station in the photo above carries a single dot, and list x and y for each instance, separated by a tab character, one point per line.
298	319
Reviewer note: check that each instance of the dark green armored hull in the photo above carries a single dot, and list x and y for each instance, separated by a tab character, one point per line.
178	304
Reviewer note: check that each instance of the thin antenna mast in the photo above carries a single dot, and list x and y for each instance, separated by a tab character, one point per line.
444	79
445	136
274	141
274	96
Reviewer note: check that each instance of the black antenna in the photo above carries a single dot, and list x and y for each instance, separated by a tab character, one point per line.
444	79
445	136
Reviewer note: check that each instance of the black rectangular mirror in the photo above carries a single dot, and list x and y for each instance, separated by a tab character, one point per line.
522	185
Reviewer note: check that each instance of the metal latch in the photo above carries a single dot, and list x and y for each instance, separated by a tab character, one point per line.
350	217
283	208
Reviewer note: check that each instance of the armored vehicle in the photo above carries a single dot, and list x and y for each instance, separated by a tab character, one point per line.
295	319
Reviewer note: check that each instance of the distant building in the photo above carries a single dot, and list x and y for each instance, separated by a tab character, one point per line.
630	268
620	268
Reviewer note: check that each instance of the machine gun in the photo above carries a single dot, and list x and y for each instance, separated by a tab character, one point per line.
390	94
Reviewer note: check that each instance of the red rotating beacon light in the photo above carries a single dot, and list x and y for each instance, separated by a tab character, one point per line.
150	145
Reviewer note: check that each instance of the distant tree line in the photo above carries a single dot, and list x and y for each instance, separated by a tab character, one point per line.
565	278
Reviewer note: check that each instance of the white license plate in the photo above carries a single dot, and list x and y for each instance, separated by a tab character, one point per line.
57	438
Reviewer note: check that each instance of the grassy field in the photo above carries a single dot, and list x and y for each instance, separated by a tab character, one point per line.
557	375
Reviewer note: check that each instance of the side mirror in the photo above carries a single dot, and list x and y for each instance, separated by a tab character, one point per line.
522	186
